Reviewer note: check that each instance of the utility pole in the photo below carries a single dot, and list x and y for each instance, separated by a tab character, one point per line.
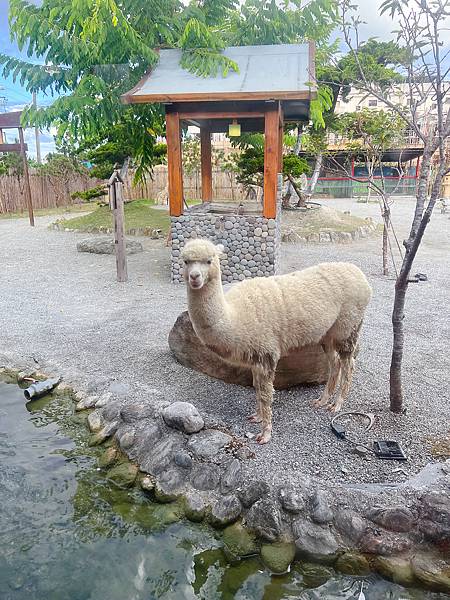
3	100
36	133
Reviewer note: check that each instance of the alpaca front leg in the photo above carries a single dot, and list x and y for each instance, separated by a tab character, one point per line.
256	417
265	385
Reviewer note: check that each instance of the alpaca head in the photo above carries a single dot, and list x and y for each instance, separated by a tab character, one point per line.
201	262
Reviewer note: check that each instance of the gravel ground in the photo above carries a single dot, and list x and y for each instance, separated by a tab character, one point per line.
65	309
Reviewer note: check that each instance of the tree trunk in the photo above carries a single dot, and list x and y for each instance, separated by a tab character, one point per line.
290	188
315	176
420	222
385	250
301	197
386	214
396	392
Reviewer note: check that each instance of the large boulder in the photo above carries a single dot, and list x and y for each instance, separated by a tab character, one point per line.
306	365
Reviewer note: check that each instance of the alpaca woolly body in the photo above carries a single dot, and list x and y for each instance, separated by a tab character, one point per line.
260	320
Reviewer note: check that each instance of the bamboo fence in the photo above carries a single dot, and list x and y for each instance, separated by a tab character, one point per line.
47	191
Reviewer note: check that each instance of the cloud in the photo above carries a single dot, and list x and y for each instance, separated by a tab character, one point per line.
375	25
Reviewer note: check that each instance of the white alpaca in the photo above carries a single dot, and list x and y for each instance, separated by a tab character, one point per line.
260	320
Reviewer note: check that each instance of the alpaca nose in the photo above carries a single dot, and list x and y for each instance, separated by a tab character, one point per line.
194	275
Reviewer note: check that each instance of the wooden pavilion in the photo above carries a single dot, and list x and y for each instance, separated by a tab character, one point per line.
273	86
270	88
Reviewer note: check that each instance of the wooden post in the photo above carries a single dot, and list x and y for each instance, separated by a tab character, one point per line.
206	164
174	164
27	189
271	159
280	147
115	184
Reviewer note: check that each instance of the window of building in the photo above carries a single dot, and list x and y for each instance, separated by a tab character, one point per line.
373	102
358	107
433	106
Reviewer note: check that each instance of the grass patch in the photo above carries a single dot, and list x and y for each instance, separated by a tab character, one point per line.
44	212
138	214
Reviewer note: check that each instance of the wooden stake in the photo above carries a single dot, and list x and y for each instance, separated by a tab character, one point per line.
115	184
27	188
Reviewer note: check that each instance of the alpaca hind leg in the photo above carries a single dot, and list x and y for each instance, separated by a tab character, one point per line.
348	363
346	350
256	417
334	366
265	383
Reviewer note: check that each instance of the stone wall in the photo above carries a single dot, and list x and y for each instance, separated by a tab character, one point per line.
252	243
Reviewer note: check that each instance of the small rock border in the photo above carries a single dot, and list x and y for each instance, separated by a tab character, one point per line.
328	236
151	232
403	535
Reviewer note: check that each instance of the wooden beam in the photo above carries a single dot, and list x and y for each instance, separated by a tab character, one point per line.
206	165
11	147
225	114
27	188
174	164
271	160
222	96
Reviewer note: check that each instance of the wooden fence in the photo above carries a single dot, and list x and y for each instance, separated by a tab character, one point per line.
225	186
50	192
47	191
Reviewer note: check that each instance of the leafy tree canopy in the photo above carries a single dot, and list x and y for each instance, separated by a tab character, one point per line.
250	162
381	62
370	131
94	50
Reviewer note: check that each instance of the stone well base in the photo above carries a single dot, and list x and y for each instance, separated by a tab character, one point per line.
251	242
306	365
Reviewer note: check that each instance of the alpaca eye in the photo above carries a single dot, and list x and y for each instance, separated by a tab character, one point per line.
209	261
186	262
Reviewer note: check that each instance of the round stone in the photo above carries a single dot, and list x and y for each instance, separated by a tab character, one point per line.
183	416
277	557
238	541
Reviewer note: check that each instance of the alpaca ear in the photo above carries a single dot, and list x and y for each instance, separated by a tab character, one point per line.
220	249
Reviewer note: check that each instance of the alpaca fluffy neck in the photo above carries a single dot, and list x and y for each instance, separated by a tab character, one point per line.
209	312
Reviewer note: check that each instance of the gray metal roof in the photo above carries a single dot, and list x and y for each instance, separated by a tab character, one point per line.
277	71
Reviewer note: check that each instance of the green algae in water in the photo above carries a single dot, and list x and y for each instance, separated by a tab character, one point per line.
68	533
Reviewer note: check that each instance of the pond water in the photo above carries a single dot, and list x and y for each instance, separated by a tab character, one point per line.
67	533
